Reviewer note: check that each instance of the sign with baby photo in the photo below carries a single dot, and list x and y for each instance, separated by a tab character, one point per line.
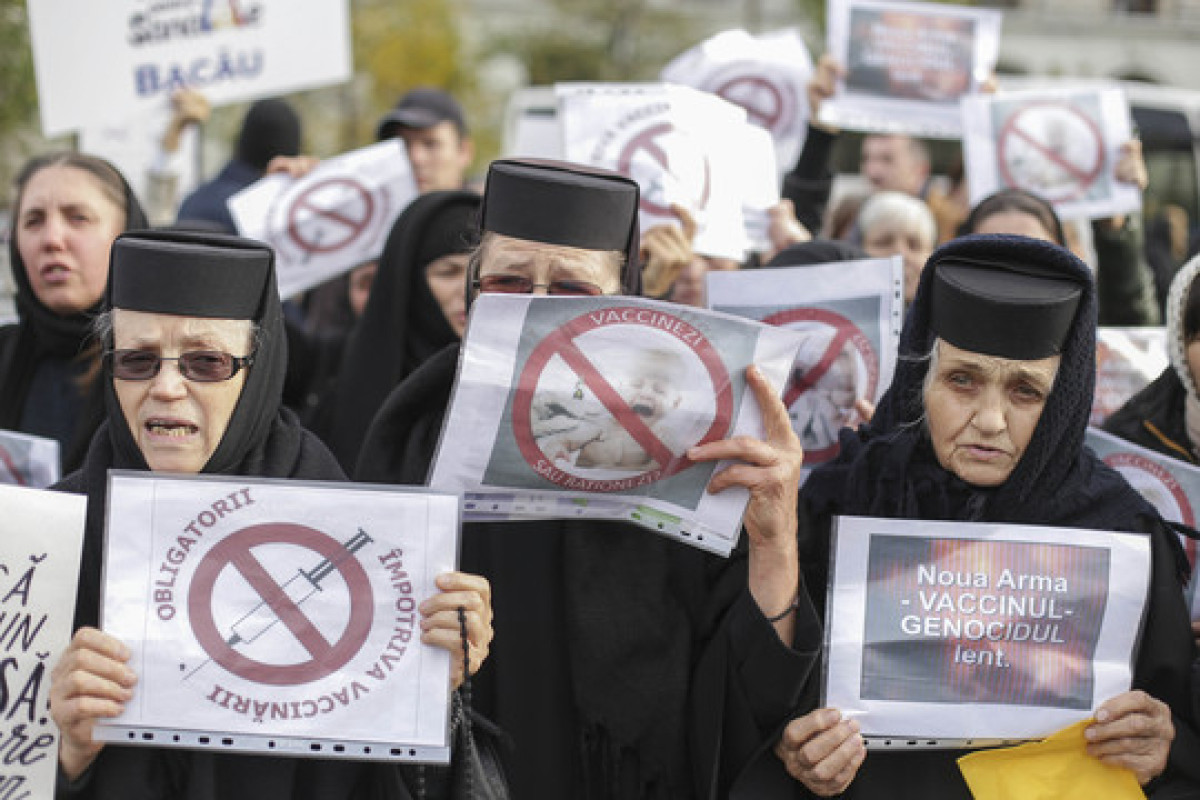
1060	144
961	633
849	314
588	407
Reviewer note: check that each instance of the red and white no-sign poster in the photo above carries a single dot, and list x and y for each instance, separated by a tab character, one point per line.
278	616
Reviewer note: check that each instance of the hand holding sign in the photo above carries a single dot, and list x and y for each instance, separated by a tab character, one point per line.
1133	730
90	682
441	625
822	750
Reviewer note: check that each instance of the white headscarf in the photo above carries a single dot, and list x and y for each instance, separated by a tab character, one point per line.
1177	301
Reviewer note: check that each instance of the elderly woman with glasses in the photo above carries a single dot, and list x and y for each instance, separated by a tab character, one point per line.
195	368
629	666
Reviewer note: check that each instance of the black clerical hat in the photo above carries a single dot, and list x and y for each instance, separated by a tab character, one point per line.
560	203
190	274
1019	306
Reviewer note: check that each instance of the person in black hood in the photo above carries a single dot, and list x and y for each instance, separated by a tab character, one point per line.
271	128
194	382
415	309
629	666
68	209
984	422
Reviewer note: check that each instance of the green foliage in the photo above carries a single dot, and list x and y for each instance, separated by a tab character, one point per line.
18	92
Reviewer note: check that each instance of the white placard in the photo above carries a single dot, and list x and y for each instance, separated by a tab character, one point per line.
966	633
1062	145
331	220
27	460
1171	485
103	60
41	538
1127	359
278	616
767	75
908	64
682	146
850	314
573	407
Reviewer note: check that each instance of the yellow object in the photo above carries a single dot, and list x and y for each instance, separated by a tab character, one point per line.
1057	768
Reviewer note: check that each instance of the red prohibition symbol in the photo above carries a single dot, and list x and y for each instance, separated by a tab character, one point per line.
236	552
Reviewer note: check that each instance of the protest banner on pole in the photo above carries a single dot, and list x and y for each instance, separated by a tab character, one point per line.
682	146
1061	144
104	60
960	634
278	616
27	460
585	407
1127	359
850	316
907	64
1170	484
331	220
766	75
41	538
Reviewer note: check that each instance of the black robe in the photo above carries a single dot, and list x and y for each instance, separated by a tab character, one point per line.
261	440
625	665
889	469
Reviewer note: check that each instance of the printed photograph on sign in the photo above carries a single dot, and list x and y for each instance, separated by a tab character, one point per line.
1060	145
278	615
907	65
958	632
586	407
610	400
849	316
27	460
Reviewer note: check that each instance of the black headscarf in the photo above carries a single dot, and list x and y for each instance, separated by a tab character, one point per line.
1019	201
402	325
262	438
817	251
271	128
889	469
42	333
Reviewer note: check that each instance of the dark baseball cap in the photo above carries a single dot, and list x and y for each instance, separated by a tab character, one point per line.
422	108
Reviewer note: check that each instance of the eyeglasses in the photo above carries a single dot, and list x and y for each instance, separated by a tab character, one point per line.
518	284
202	366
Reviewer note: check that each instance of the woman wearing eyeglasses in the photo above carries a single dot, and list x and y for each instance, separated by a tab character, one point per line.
195	366
68	209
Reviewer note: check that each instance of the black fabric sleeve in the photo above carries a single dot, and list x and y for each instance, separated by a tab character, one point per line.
1124	282
810	182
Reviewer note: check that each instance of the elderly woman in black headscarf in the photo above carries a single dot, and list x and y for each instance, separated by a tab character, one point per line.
68	209
194	380
417	307
984	422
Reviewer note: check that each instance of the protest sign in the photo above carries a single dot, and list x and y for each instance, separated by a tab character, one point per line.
1060	144
960	633
1170	484
27	460
850	316
1127	359
331	220
682	146
41	538
908	64
104	60
766	75
278	616
584	407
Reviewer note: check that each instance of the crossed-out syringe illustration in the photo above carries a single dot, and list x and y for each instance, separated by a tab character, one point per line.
295	591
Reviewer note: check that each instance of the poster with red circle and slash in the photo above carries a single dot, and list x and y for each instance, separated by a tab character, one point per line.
27	460
1061	144
849	314
278	616
586	408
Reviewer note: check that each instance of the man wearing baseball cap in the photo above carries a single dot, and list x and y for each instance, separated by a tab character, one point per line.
434	131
